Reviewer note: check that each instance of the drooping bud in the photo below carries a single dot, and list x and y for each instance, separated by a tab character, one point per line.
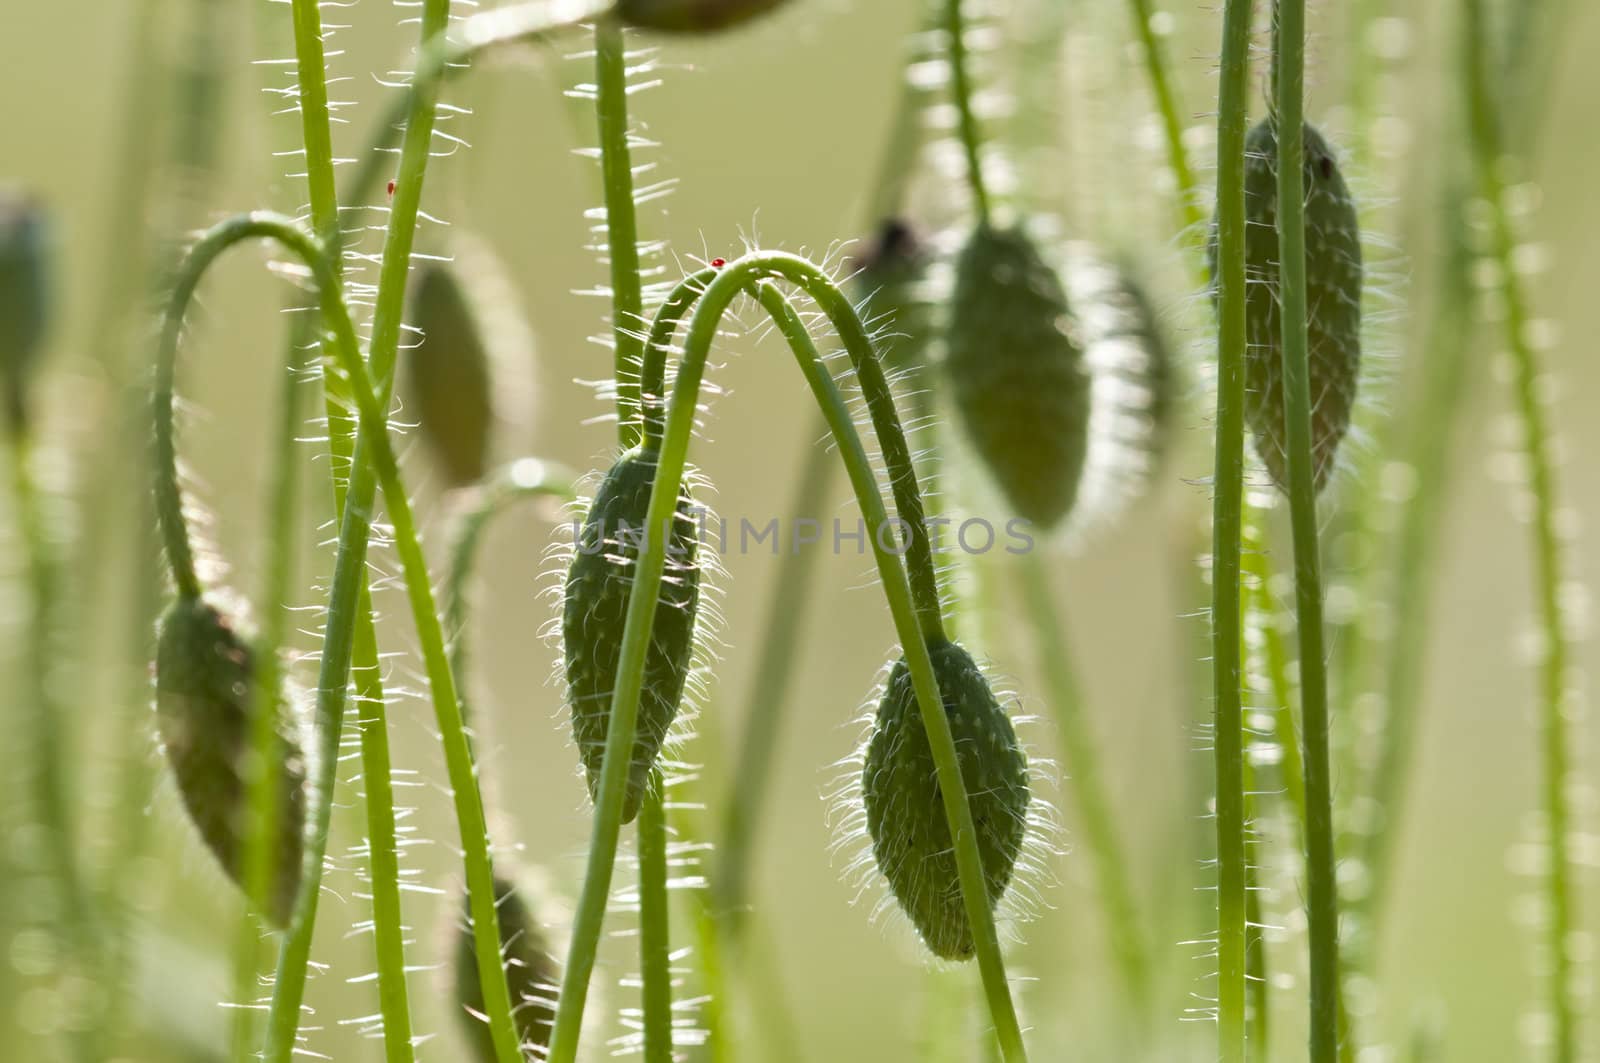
532	973
905	807
24	296
1016	373
469	376
594	614
692	16
205	711
1333	301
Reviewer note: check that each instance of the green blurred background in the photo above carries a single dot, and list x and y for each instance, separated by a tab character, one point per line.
776	134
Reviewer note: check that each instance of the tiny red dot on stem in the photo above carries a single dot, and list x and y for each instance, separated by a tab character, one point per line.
391	188
718	263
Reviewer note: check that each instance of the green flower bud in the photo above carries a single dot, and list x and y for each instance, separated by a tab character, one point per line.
1016	373
1333	299
905	807
24	296
594	613
205	706
691	16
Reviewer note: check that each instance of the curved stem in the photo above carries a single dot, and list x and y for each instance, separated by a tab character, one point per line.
1550	577
1322	890
1088	793
912	523
169	489
1227	517
655	948
363	665
736	277
622	223
961	91
353	535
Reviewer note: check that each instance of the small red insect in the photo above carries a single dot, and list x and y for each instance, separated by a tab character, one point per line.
718	263
391	189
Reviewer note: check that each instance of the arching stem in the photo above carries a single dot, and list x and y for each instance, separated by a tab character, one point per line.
354	532
735	278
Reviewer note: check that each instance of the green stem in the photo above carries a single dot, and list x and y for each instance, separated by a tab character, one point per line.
1255	956
622	223
263	823
1166	100
1227	518
1322	896
354	532
1088	791
1528	382
791	594
879	399
769	687
733	279
363	663
73	918
962	91
350	635
655	925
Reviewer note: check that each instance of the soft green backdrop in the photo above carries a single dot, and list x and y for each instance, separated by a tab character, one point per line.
776	133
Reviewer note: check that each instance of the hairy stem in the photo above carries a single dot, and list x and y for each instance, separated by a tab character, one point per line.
1322	893
622	223
419	592
282	513
722	290
962	92
1166	101
363	659
1227	518
879	399
655	929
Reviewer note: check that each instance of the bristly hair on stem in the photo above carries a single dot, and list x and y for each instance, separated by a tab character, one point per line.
1322	887
1227	518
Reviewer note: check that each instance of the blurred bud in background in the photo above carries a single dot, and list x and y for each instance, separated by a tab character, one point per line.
24	296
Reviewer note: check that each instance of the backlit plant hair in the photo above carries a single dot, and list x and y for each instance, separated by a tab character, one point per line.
914	604
350	637
373	428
